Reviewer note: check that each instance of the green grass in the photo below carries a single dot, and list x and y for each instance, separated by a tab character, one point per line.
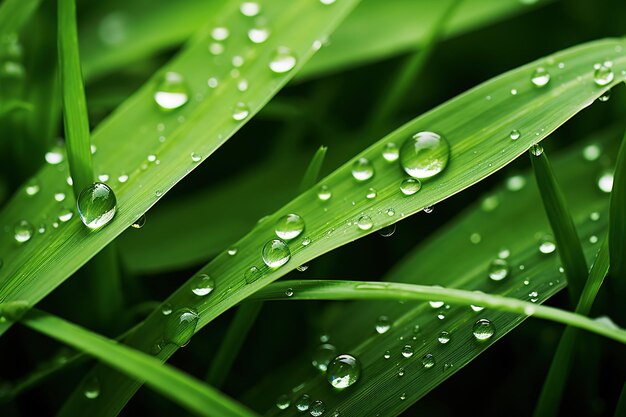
272	127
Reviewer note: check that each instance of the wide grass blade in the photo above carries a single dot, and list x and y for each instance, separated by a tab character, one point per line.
478	131
170	382
75	118
617	222
567	241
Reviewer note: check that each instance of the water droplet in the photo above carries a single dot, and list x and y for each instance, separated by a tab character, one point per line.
362	169
139	223
212	82
476	308
407	351
428	361
403	396
302	268
371	194
387	231
327	2
282	402
65	214
365	222
515	134
96	205
390	212
220	33
171	91
605	97
343	371
383	324
54	156
216	48
306	241
515	183
592	152
258	34
547	245
513	91
536	149
498	269
237	61
424	154
122	178
32	187
23	231
605	182
324	193
387	354
242	85
541	77
180	326
202	285
59	197
92	388
283	60
410	186
444	337
289	227
241	111
232	251
603	75
276	253
249	8
483	330
401	372
195	157
166	309
391	152
317	408
303	402
436	304
593	239
252	274
594	216
534	296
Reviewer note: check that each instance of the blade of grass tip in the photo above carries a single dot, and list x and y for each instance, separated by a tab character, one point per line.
75	116
556	379
410	71
14	13
246	314
620	410
231	344
374	290
567	241
617	222
313	170
167	380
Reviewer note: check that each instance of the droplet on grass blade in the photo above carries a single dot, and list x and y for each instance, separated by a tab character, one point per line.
96	205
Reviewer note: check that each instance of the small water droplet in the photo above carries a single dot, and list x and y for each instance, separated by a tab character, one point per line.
283	402
23	231
276	253
483	330
540	78
428	361
605	182
498	269
258	34
536	150
289	226
513	91
387	231
252	274
390	212
391	152
96	205
534	296
232	251
515	183
475	238
171	91
424	154
92	388
122	178
250	8
603	75
241	111
403	396
592	152
365	222
317	408
605	97
55	156
547	245
202	285
407	351
410	186
283	60
303	402
32	187
324	193
306	241
371	194
59	197
65	214
343	371
220	33
387	354
401	372
444	337
383	324
195	157
362	169
180	326
166	309
515	134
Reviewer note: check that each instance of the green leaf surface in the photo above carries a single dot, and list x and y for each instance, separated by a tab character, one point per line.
14	13
139	129
617	227
476	124
172	383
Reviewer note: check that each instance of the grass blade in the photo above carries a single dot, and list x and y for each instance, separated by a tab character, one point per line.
312	173
172	383
231	345
617	219
567	241
375	290
620	410
14	13
75	116
473	126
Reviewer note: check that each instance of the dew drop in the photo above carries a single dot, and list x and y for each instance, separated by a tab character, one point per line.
202	285
96	205
444	337
220	33
362	169
195	157
483	330
498	269
92	388
241	111
605	182
428	361
343	371
387	231
59	197
410	186
317	408
122	178
371	194
180	326
515	134
365	222
23	231
391	152
276	253
65	215
258	35
536	150
591	152
252	274
55	156
322	356
324	193
383	325
303	402
283	60
171	91
540	78
424	155
547	245
603	75
289	226
407	351
32	187
515	183
387	354
282	402
250	8
232	251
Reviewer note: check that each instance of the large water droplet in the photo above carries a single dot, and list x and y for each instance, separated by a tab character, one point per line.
323	355
276	253
289	227
483	330
92	388
498	269
424	154
96	205
171	91
303	402
362	169
23	231
317	408
365	222
343	371
410	186
605	182
407	351
383	325
283	60
547	245
603	75
540	78
258	34
250	8
180	326
202	285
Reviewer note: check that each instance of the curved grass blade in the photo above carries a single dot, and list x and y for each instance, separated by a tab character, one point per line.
170	382
312	173
146	150
376	290
555	382
75	116
617	226
567	241
478	132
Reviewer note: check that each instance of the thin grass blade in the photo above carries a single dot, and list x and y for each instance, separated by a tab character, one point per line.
312	173
617	226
